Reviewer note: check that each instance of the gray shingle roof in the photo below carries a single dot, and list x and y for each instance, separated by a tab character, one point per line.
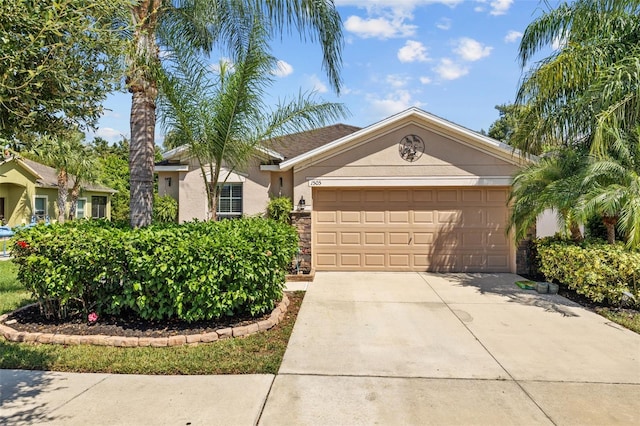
50	177
291	146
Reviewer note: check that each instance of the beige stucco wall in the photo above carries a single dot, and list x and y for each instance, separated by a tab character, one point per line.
164	188
379	156
192	197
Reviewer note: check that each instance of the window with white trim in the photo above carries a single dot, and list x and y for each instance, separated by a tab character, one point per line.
40	207
80	208
230	201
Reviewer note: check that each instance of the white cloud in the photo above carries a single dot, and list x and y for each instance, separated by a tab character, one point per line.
317	85
449	70
512	36
559	43
500	7
471	50
109	134
283	69
397	81
413	51
443	24
395	102
381	28
226	62
425	80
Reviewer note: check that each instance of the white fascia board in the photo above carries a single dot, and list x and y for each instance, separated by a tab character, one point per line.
175	152
269	168
409	181
172	168
183	149
271	153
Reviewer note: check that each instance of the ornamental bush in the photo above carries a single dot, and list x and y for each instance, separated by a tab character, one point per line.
601	272
194	271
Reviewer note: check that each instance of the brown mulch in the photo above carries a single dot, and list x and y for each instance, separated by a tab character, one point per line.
31	320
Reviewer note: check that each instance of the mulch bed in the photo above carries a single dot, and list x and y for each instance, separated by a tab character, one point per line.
31	320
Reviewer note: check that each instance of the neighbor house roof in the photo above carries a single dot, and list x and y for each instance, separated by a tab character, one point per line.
47	177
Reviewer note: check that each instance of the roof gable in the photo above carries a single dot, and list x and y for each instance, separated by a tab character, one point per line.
415	116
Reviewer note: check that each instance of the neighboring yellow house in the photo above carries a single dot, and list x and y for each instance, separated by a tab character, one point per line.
28	192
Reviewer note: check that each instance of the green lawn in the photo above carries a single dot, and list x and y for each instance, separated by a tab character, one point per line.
259	353
12	293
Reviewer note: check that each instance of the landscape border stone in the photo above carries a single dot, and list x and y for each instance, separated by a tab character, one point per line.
277	315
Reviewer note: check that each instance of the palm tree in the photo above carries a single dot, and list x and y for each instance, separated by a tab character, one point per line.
222	117
83	170
590	81
614	183
197	25
59	152
554	182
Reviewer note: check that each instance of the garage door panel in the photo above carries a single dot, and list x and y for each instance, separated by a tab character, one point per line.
472	195
399	238
422	195
350	259
350	217
326	260
371	217
427	229
350	238
422	238
324	238
401	196
399	260
445	195
374	196
423	217
399	217
351	196
374	238
326	217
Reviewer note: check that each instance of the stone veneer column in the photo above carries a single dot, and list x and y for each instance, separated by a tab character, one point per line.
301	219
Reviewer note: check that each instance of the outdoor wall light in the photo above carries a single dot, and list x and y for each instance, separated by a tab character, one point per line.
301	203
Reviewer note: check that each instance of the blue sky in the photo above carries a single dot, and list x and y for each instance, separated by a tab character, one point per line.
455	59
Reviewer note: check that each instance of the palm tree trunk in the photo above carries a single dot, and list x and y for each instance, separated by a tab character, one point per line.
143	112
73	204
610	223
62	195
576	234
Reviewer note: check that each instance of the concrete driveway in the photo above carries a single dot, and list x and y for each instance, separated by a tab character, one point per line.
419	348
382	348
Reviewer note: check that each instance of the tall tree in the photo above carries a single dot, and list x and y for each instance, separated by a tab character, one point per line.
197	25
503	128
590	81
60	58
222	117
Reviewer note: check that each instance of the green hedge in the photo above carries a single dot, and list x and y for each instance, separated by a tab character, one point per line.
194	271
597	270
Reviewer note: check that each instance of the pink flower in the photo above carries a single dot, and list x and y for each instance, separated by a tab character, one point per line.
93	317
22	244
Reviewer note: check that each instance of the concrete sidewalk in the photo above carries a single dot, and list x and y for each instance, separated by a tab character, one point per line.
382	348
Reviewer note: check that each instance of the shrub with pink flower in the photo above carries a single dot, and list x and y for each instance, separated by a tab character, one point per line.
93	317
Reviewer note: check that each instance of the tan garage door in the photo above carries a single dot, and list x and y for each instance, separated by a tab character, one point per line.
405	229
